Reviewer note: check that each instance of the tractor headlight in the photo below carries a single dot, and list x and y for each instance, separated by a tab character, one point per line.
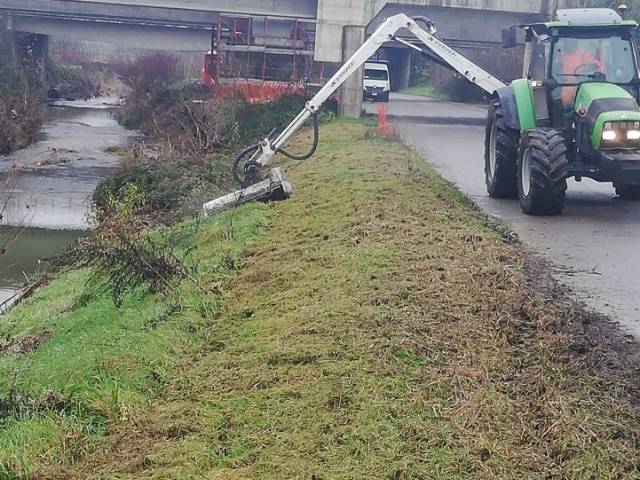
623	134
609	134
633	135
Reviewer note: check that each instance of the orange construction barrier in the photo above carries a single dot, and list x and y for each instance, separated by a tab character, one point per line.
258	92
384	128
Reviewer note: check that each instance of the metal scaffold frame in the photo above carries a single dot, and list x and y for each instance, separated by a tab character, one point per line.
253	48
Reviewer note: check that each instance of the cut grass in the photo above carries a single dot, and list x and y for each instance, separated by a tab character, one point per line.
379	328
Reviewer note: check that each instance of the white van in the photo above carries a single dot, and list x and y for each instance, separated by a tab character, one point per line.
377	81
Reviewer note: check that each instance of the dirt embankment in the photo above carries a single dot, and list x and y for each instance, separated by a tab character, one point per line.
378	327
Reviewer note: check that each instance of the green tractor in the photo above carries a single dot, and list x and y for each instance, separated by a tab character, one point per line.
575	114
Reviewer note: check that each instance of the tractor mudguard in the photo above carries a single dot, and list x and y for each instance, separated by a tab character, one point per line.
523	94
509	107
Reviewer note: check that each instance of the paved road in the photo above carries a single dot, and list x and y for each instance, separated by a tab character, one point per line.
595	243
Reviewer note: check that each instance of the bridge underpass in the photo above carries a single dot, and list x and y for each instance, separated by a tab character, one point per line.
468	30
342	27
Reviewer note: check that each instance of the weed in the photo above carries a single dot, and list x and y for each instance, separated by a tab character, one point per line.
20	111
123	258
193	165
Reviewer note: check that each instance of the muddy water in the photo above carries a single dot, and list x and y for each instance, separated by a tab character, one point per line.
49	197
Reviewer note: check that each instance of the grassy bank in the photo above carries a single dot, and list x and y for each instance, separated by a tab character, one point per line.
72	363
424	91
453	90
373	326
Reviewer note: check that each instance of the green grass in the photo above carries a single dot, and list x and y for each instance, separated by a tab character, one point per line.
377	326
103	364
424	91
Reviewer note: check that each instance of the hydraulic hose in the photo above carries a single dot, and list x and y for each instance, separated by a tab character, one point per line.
314	146
251	149
236	162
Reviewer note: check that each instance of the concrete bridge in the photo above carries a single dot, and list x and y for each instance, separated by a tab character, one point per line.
340	25
185	25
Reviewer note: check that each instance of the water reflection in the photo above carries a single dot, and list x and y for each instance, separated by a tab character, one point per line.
58	174
27	253
51	193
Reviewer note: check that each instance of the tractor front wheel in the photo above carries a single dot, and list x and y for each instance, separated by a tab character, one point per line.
542	172
628	192
500	155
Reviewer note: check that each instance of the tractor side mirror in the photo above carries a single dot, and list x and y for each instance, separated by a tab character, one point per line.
509	37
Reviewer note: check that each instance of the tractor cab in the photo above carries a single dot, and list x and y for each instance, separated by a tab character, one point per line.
573	114
581	46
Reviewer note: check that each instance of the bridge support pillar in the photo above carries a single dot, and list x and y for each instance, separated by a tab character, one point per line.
351	91
8	48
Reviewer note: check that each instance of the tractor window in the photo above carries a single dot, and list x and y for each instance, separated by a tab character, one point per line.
577	60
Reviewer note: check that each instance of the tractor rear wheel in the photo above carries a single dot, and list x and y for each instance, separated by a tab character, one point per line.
628	192
500	155
543	168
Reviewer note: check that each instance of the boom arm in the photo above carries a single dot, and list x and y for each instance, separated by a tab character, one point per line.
385	33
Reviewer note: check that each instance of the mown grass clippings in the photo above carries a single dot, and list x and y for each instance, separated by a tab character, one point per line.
380	329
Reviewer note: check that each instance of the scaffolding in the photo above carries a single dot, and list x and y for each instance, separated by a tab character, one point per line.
264	49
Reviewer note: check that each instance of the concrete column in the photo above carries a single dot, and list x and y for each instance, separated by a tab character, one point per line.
351	91
8	47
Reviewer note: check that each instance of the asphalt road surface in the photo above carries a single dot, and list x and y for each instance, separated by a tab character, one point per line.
595	243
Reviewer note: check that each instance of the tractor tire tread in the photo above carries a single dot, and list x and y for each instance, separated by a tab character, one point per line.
504	183
549	168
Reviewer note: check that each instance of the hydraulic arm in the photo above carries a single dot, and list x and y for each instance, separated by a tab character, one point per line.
247	165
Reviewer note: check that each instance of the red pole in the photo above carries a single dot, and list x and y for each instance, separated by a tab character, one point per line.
249	35
219	47
295	41
264	56
235	42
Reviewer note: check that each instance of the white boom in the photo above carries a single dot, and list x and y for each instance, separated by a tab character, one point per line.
387	31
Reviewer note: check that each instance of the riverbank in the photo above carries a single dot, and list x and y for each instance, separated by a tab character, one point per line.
20	108
373	326
46	188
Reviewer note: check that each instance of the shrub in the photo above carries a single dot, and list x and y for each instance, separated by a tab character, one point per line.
170	182
150	79
192	163
20	110
123	256
71	81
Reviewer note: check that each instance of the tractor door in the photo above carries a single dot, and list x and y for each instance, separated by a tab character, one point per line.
537	73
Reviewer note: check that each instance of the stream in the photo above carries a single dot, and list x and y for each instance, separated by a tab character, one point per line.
46	188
